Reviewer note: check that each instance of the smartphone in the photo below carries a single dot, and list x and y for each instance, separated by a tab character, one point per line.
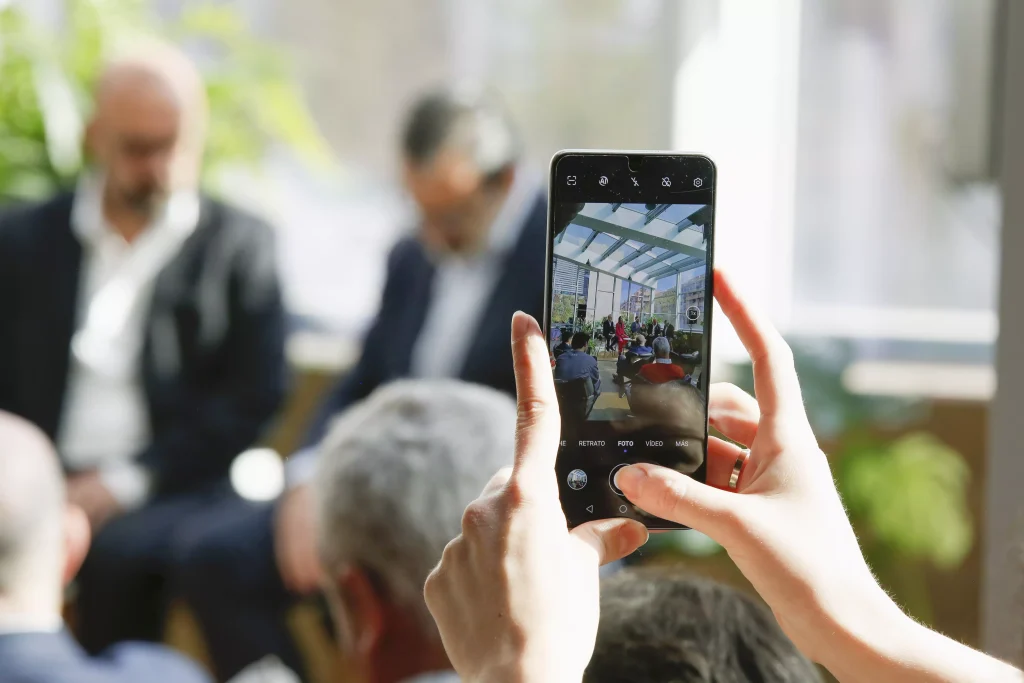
628	317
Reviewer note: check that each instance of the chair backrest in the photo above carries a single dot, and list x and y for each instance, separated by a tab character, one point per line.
575	397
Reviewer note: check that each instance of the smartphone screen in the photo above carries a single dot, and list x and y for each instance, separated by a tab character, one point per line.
628	320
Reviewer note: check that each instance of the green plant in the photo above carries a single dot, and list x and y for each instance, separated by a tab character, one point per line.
47	75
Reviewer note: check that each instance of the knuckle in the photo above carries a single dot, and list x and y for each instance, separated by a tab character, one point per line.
475	517
530	410
515	494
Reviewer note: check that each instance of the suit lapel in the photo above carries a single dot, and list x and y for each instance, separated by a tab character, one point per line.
60	307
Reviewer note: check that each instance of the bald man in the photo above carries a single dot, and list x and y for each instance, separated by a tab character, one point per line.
143	332
42	543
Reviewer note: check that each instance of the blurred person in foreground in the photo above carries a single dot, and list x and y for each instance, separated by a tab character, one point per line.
516	595
662	625
42	543
143	332
394	475
478	256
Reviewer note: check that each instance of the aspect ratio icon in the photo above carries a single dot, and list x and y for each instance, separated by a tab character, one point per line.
570	180
603	180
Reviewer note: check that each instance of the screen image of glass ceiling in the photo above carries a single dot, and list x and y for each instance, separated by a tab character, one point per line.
645	265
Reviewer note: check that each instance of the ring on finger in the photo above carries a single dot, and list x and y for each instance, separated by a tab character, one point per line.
737	469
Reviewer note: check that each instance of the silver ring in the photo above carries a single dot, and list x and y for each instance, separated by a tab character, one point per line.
737	469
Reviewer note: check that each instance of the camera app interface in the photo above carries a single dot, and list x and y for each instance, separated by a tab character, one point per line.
629	338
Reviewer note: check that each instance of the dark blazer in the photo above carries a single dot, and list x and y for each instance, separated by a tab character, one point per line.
213	365
57	658
403	310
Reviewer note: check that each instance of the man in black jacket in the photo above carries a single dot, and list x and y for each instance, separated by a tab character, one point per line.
446	311
141	328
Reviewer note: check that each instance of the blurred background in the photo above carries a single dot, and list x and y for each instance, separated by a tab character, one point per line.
859	145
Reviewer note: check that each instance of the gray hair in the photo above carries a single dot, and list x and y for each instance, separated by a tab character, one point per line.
470	122
661	347
32	500
640	340
396	473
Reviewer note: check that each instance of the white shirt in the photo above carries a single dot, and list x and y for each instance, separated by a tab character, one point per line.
20	624
105	421
463	285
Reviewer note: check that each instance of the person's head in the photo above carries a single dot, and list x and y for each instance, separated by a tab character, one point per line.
662	625
460	152
42	540
395	474
620	319
637	318
661	348
641	340
147	132
580	340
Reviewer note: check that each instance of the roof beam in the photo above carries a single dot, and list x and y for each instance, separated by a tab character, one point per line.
626	234
655	212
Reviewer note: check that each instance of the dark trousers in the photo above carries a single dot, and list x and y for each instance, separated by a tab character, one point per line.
228	574
124	586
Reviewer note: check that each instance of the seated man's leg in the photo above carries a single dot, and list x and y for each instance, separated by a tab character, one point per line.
122	585
228	574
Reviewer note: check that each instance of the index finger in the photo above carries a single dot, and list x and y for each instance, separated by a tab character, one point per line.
538	424
775	382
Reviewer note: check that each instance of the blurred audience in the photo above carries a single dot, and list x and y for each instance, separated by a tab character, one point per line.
395	475
479	256
624	366
662	369
42	542
143	332
661	625
639	346
565	344
576	363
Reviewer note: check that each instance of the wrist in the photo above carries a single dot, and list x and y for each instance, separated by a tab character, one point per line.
863	636
519	673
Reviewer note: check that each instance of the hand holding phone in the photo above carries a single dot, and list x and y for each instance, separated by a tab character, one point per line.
631	251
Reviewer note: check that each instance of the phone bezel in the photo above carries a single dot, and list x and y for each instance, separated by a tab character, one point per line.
657	523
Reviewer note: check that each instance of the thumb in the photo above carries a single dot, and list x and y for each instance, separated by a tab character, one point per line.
612	539
665	493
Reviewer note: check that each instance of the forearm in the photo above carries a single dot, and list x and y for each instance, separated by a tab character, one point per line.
888	646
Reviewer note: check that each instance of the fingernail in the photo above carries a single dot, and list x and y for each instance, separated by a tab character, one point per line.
629	479
520	325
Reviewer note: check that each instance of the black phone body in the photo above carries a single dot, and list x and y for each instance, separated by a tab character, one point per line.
631	234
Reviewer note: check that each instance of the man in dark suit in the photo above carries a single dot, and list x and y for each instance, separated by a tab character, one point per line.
42	542
577	363
142	331
608	330
451	290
